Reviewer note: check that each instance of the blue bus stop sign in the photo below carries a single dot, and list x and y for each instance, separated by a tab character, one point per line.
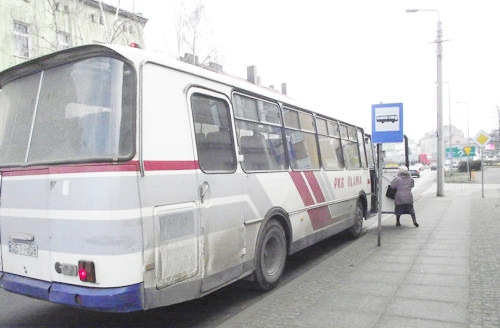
387	123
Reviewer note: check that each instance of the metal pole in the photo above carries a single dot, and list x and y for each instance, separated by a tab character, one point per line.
482	173
449	123
439	130
440	145
468	164
379	227
468	168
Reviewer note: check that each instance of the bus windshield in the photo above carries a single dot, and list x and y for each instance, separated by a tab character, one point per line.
78	112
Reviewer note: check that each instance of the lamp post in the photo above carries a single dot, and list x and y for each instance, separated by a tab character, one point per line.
439	130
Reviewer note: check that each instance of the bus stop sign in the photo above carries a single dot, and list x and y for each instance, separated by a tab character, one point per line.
387	123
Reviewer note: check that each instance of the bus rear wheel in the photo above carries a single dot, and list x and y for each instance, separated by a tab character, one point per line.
356	230
270	256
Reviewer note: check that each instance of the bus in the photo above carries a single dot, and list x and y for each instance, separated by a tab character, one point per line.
387	118
130	181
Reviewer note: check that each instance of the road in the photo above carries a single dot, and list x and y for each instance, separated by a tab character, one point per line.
19	311
210	311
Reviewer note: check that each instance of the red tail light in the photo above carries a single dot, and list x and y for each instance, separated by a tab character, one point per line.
86	271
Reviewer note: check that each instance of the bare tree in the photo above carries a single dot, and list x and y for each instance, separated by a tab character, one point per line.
114	28
192	29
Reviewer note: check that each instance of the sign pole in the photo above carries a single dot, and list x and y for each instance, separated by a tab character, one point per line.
481	139
380	177
482	173
387	126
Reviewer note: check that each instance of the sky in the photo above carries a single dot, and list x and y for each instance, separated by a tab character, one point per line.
339	57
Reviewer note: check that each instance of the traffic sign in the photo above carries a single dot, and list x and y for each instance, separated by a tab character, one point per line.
458	152
482	138
387	123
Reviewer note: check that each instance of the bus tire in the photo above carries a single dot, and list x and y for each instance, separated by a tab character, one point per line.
271	255
357	228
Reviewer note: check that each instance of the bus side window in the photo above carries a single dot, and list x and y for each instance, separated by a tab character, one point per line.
213	134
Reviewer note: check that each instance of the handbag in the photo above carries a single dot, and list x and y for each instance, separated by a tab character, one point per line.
391	192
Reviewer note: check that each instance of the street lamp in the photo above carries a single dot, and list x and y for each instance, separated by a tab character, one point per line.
440	145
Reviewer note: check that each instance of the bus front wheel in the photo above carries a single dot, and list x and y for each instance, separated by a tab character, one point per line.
270	256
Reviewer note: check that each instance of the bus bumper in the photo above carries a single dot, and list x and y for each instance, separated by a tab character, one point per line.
120	299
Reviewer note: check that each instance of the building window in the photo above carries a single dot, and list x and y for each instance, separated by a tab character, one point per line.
63	40
21	40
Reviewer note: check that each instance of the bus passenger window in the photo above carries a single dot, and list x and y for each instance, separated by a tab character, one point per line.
214	139
361	146
331	153
262	146
260	138
351	154
302	150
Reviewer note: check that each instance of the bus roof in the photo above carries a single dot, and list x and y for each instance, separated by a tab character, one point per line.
139	57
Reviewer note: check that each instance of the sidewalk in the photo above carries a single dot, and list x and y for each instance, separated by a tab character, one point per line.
446	273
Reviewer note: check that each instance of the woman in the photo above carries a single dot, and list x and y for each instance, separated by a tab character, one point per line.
403	183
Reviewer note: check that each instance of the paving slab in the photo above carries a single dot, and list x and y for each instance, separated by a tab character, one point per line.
445	274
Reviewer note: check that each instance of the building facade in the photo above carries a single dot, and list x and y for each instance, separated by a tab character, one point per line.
32	28
428	144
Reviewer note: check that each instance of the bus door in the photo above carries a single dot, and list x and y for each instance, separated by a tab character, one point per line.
171	191
370	151
220	188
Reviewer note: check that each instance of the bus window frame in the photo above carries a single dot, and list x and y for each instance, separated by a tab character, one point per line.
347	141
218	96
286	107
237	119
330	136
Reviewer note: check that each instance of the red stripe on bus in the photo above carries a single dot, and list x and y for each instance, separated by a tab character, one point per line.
129	166
301	186
104	167
170	165
320	217
316	189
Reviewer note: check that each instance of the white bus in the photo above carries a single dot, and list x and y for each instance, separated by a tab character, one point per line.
130	182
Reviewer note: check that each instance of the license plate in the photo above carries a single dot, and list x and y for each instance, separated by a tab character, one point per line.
23	249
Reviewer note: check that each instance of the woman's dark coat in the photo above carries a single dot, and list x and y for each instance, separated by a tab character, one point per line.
403	184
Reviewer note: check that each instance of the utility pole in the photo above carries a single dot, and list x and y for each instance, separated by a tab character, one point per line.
439	105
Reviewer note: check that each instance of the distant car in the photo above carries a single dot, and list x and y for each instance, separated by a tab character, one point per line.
391	166
434	167
414	172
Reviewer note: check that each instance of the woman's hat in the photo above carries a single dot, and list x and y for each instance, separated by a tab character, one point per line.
403	169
